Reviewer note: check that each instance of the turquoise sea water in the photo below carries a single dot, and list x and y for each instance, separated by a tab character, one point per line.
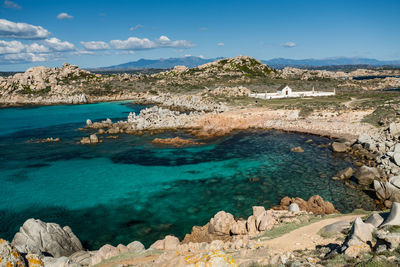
129	189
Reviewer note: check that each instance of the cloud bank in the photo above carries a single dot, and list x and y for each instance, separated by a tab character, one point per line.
19	30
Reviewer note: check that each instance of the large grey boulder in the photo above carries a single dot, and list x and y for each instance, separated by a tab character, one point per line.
359	238
366	175
388	190
221	223
37	237
267	221
294	207
375	219
394	216
239	228
361	231
136	246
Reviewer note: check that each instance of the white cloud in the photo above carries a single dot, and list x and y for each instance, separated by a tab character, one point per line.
95	45
134	28
11	47
24	58
64	15
83	52
220	44
58	45
134	43
11	4
18	30
203	29
37	48
289	44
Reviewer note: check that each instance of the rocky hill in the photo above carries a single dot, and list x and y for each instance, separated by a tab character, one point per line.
71	85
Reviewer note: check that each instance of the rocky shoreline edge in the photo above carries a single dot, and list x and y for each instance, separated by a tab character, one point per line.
225	241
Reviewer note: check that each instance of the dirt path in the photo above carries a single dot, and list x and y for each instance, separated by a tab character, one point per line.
306	237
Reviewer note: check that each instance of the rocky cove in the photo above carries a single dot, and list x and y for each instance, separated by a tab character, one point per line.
222	154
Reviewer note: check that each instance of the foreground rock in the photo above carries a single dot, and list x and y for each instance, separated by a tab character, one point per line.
362	234
36	237
388	191
9	255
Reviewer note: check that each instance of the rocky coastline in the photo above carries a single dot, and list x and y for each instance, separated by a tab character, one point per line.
226	241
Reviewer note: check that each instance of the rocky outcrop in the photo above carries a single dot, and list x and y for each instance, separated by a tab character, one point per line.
315	204
176	142
359	239
92	139
36	236
9	256
225	228
191	102
388	191
362	234
160	118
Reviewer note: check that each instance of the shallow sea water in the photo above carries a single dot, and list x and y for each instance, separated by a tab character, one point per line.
129	189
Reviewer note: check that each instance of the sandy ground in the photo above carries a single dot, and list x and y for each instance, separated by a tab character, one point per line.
306	237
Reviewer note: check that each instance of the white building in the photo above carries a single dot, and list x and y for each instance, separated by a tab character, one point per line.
285	91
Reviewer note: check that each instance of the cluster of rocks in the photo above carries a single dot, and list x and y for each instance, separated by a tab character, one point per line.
45	140
160	118
92	139
235	91
304	74
48	244
224	227
375	234
42	82
315	204
378	158
150	119
185	102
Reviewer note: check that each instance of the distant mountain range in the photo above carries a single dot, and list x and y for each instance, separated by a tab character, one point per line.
192	61
163	63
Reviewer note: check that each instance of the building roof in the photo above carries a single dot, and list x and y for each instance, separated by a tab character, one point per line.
281	87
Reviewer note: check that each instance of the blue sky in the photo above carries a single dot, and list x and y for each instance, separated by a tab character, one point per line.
102	33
